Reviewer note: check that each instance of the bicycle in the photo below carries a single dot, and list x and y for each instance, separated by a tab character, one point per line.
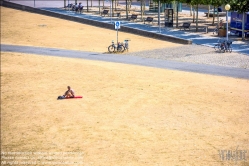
226	46
218	45
126	45
223	45
113	48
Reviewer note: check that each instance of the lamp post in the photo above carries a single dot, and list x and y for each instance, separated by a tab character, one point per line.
227	7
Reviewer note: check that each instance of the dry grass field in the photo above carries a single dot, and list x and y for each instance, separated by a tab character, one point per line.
129	115
23	28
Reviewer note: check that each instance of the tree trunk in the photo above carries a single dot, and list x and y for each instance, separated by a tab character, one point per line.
197	17
213	15
218	19
112	8
159	13
65	4
99	6
126	8
177	14
129	6
208	11
193	14
87	6
91	3
141	2
144	4
191	10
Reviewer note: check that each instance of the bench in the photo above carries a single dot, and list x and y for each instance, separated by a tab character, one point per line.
105	12
149	20
133	17
185	26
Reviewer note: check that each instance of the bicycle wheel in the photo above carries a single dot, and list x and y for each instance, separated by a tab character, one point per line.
111	49
121	48
216	47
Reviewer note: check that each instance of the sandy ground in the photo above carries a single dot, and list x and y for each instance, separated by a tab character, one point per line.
130	115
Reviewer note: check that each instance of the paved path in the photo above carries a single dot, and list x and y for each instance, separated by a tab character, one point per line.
135	60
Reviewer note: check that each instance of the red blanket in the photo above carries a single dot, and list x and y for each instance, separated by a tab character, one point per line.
75	97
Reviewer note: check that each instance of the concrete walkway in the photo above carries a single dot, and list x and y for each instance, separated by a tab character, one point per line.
134	60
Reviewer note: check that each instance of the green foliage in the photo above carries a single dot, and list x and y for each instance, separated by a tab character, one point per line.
169	1
163	1
216	2
239	5
196	2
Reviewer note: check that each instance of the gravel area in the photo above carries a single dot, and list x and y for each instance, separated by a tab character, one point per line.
197	54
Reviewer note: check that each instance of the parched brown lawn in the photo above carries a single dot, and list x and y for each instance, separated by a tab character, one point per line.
130	115
23	28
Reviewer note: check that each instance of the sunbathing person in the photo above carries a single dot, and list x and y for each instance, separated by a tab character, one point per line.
69	93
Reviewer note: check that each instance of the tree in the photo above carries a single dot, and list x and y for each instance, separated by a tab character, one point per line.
142	8
126	8
112	7
216	4
196	3
87	9
99	7
238	5
175	2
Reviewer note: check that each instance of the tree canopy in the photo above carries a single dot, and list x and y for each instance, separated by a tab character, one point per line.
240	6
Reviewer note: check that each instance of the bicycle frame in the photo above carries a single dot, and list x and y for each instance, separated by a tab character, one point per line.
116	48
224	45
126	44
